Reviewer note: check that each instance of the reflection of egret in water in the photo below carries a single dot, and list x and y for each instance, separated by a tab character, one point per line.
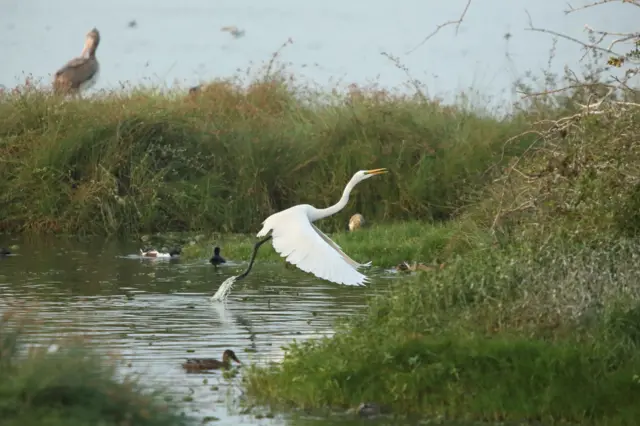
295	237
225	315
246	324
227	318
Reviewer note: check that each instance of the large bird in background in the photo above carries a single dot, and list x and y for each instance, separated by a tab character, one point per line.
82	72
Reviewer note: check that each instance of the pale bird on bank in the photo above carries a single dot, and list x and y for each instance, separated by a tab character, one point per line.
296	238
356	221
82	72
416	266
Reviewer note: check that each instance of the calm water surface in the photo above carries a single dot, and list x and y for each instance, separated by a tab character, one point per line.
153	312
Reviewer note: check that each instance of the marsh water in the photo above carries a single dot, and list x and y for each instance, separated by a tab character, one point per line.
155	313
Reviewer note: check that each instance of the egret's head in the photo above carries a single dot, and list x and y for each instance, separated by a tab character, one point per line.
366	174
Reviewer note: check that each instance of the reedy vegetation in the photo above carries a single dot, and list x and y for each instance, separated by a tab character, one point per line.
229	157
538	319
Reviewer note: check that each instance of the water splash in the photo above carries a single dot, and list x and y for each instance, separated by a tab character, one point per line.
224	290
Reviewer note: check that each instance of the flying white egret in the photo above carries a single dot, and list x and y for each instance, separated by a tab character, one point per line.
304	245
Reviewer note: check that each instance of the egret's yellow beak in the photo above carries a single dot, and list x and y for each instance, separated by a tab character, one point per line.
377	171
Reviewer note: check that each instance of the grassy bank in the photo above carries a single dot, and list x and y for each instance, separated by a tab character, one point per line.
72	386
546	333
537	320
384	245
228	157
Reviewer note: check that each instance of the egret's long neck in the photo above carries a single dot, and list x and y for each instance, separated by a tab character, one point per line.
322	213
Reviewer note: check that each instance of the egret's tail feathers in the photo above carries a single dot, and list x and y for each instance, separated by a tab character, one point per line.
365	282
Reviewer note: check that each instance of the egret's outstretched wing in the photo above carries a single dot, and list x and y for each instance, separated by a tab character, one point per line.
339	249
295	238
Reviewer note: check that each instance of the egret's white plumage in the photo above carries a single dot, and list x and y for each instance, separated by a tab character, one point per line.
302	244
296	238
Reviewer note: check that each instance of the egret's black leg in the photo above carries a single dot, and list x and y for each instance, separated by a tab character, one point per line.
253	257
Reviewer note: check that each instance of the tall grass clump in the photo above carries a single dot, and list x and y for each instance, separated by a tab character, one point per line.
72	387
527	332
229	155
580	177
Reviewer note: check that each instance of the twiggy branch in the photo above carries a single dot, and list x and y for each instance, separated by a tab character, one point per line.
566	37
441	26
562	89
599	3
623	37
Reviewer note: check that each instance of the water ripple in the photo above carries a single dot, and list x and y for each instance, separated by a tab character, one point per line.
156	314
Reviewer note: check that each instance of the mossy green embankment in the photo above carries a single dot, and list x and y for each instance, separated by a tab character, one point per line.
232	155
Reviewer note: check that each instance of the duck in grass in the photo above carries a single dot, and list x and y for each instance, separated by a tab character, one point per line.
415	266
4	252
194	364
216	259
156	253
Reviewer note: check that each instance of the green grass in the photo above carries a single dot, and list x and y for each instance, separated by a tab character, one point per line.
224	160
540	333
384	245
72	387
536	316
